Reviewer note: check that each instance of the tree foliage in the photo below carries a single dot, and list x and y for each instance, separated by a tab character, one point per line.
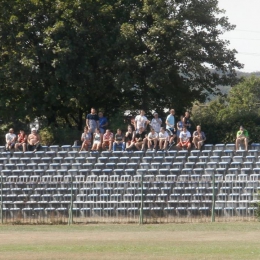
221	118
61	57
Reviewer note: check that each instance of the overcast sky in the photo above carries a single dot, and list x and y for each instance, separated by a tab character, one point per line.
246	37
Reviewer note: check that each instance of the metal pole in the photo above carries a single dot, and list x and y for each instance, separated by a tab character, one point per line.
142	202
213	199
2	198
71	203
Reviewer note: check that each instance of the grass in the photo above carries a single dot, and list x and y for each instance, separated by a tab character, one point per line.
239	240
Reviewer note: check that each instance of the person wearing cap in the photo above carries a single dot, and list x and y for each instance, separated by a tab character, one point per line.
156	123
10	139
34	141
21	141
242	137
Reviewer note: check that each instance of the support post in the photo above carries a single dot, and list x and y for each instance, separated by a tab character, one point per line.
2	198
141	220
70	222
213	199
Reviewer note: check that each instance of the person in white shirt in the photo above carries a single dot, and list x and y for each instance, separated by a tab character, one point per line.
152	139
10	139
141	121
156	123
163	139
184	138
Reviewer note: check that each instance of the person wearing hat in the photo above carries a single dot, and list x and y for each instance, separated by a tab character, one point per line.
34	141
156	123
242	137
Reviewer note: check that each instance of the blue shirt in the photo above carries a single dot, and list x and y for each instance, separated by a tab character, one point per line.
171	120
102	121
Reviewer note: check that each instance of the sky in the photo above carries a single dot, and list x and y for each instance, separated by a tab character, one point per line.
246	36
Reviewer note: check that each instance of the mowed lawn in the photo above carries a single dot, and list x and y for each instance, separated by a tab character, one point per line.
238	240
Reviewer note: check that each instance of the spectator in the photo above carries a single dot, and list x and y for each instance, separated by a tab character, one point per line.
129	137
179	128
34	141
152	139
140	139
97	140
170	126
21	141
242	137
187	121
103	122
163	139
86	139
184	139
92	121
198	138
10	139
119	141
156	123
141	121
107	140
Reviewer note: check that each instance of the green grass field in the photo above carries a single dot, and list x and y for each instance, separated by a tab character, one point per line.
237	240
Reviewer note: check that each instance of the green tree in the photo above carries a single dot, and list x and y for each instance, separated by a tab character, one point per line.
61	57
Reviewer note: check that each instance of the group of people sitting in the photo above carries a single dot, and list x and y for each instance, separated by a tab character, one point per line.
137	136
22	141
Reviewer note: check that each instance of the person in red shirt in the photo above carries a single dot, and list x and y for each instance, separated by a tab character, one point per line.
107	140
21	141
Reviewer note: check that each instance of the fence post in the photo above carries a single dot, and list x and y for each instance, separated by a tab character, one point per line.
213	199
141	220
70	222
1	198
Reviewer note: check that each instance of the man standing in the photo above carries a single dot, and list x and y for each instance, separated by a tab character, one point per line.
187	121
141	121
170	126
10	139
156	123
92	121
242	137
103	123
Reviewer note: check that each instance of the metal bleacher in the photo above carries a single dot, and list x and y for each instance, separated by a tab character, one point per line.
175	183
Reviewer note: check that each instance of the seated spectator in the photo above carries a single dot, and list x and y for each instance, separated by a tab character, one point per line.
130	136
10	139
21	141
119	141
156	123
34	141
184	139
103	123
198	138
140	140
97	140
242	137
152	139
107	140
86	139
163	139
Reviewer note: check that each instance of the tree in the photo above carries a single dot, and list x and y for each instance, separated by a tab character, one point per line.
61	57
